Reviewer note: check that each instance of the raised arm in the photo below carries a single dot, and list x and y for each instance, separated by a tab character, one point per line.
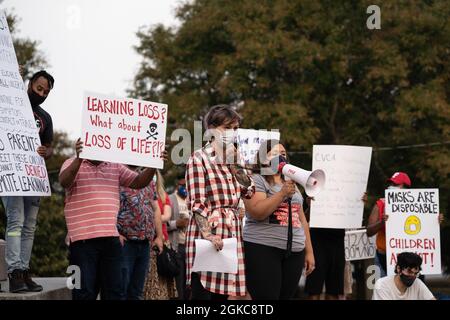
260	206
143	179
68	175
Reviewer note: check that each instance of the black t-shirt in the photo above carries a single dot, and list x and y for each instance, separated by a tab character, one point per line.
44	124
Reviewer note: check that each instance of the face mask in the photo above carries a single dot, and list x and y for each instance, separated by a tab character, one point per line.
154	179
35	99
229	137
394	187
182	192
407	281
274	162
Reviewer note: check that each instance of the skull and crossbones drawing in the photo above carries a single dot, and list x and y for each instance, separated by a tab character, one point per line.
152	133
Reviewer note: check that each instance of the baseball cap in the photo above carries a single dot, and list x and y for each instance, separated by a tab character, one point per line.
400	178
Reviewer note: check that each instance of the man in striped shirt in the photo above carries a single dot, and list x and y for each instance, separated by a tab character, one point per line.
92	204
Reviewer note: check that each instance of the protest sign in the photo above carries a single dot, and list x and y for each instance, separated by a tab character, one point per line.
22	169
123	130
249	142
358	246
339	204
413	226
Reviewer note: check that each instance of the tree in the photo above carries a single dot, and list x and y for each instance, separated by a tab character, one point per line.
314	70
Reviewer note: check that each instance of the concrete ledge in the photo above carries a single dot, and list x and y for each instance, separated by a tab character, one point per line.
54	289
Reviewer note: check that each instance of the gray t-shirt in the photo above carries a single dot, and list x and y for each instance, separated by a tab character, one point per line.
273	231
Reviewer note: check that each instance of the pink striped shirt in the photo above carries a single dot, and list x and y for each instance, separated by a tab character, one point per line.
92	201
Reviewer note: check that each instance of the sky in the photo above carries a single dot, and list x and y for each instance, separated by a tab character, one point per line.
88	45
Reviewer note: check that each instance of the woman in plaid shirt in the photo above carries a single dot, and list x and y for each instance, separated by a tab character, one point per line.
214	189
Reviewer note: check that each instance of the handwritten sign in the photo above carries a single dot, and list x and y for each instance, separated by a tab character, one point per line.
358	246
249	142
339	204
123	130
413	226
22	170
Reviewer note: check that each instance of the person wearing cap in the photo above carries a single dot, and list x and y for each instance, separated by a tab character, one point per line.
377	219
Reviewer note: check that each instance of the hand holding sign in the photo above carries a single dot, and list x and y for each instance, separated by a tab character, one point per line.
78	147
42	151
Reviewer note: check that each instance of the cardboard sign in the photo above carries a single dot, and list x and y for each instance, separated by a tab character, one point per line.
358	246
22	169
123	130
413	226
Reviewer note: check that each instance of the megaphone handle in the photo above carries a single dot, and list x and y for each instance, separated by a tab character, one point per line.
289	241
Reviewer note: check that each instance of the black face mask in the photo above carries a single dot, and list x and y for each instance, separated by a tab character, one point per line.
407	281
35	99
275	162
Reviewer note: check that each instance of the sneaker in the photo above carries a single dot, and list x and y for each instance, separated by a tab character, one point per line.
31	285
16	282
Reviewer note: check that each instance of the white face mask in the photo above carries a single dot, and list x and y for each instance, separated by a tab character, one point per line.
394	187
229	137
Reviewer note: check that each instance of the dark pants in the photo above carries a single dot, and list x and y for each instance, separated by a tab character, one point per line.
329	255
181	278
270	275
100	263
200	293
382	259
135	264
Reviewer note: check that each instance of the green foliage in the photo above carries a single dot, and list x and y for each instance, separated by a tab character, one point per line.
313	70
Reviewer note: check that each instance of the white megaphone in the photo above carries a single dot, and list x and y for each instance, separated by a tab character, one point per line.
312	181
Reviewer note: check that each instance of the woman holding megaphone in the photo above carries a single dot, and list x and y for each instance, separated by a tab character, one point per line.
275	250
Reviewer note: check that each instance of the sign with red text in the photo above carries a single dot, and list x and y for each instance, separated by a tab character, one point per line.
22	169
413	226
123	130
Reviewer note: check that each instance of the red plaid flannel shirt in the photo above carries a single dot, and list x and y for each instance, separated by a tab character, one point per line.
214	193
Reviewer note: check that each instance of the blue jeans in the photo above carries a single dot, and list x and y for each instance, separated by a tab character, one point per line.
21	216
135	267
100	262
380	261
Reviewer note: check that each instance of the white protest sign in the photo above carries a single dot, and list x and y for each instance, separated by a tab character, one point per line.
22	170
250	140
413	226
339	204
358	246
123	130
